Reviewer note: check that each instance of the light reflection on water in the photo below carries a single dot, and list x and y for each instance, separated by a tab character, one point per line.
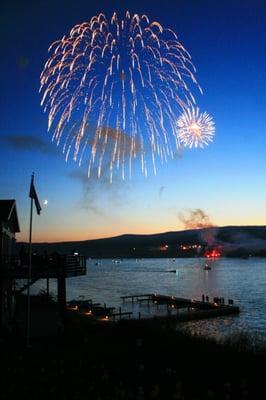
238	279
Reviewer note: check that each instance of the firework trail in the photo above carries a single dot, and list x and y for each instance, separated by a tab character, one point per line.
195	128
120	85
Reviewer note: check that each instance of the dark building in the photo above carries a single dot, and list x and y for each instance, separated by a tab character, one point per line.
9	226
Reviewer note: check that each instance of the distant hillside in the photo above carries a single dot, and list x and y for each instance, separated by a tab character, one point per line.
232	241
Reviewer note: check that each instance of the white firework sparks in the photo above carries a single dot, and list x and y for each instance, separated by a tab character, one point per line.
113	89
195	129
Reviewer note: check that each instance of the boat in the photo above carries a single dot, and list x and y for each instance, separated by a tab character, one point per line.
207	267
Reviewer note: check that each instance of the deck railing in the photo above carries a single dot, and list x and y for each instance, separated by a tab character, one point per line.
9	262
68	265
75	265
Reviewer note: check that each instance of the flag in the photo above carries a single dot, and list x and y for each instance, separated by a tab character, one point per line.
33	195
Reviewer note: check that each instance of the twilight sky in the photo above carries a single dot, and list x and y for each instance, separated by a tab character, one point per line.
227	42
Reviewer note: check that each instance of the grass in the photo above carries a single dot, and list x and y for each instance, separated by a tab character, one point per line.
146	359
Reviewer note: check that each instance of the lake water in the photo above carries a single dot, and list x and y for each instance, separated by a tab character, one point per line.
242	280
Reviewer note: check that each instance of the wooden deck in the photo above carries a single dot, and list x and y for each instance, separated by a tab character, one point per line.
68	266
160	307
136	297
183	309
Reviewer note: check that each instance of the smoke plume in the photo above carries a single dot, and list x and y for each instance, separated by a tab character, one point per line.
197	219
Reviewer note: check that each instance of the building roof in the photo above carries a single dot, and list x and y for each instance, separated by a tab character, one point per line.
8	212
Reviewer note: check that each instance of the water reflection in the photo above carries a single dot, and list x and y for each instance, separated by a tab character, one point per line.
238	279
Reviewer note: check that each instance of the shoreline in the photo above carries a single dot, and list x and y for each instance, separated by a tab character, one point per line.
128	360
45	315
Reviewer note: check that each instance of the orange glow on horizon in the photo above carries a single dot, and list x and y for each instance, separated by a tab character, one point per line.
65	231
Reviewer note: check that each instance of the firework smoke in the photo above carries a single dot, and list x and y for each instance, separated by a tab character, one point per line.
197	219
195	129
131	75
161	190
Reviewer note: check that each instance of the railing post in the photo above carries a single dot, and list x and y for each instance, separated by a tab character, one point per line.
61	287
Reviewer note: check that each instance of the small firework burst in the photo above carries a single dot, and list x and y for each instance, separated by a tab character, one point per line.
195	129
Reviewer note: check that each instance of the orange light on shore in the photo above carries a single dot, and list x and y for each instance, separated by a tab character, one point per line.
73	308
105	318
88	312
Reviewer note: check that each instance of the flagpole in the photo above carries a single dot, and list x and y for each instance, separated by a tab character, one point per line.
29	273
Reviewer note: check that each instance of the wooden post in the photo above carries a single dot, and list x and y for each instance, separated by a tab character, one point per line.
61	288
1	298
61	291
47	288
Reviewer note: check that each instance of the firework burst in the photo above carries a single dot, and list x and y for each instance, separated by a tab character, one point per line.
195	129
113	90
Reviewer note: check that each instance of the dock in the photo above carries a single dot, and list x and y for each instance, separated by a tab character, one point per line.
155	306
183	309
136	297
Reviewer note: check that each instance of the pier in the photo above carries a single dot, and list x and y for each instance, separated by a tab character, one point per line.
137	297
155	306
183	309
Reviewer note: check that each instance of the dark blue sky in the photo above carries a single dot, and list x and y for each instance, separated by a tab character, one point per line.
226	40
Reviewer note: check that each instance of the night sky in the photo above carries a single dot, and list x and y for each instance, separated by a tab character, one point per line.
227	42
